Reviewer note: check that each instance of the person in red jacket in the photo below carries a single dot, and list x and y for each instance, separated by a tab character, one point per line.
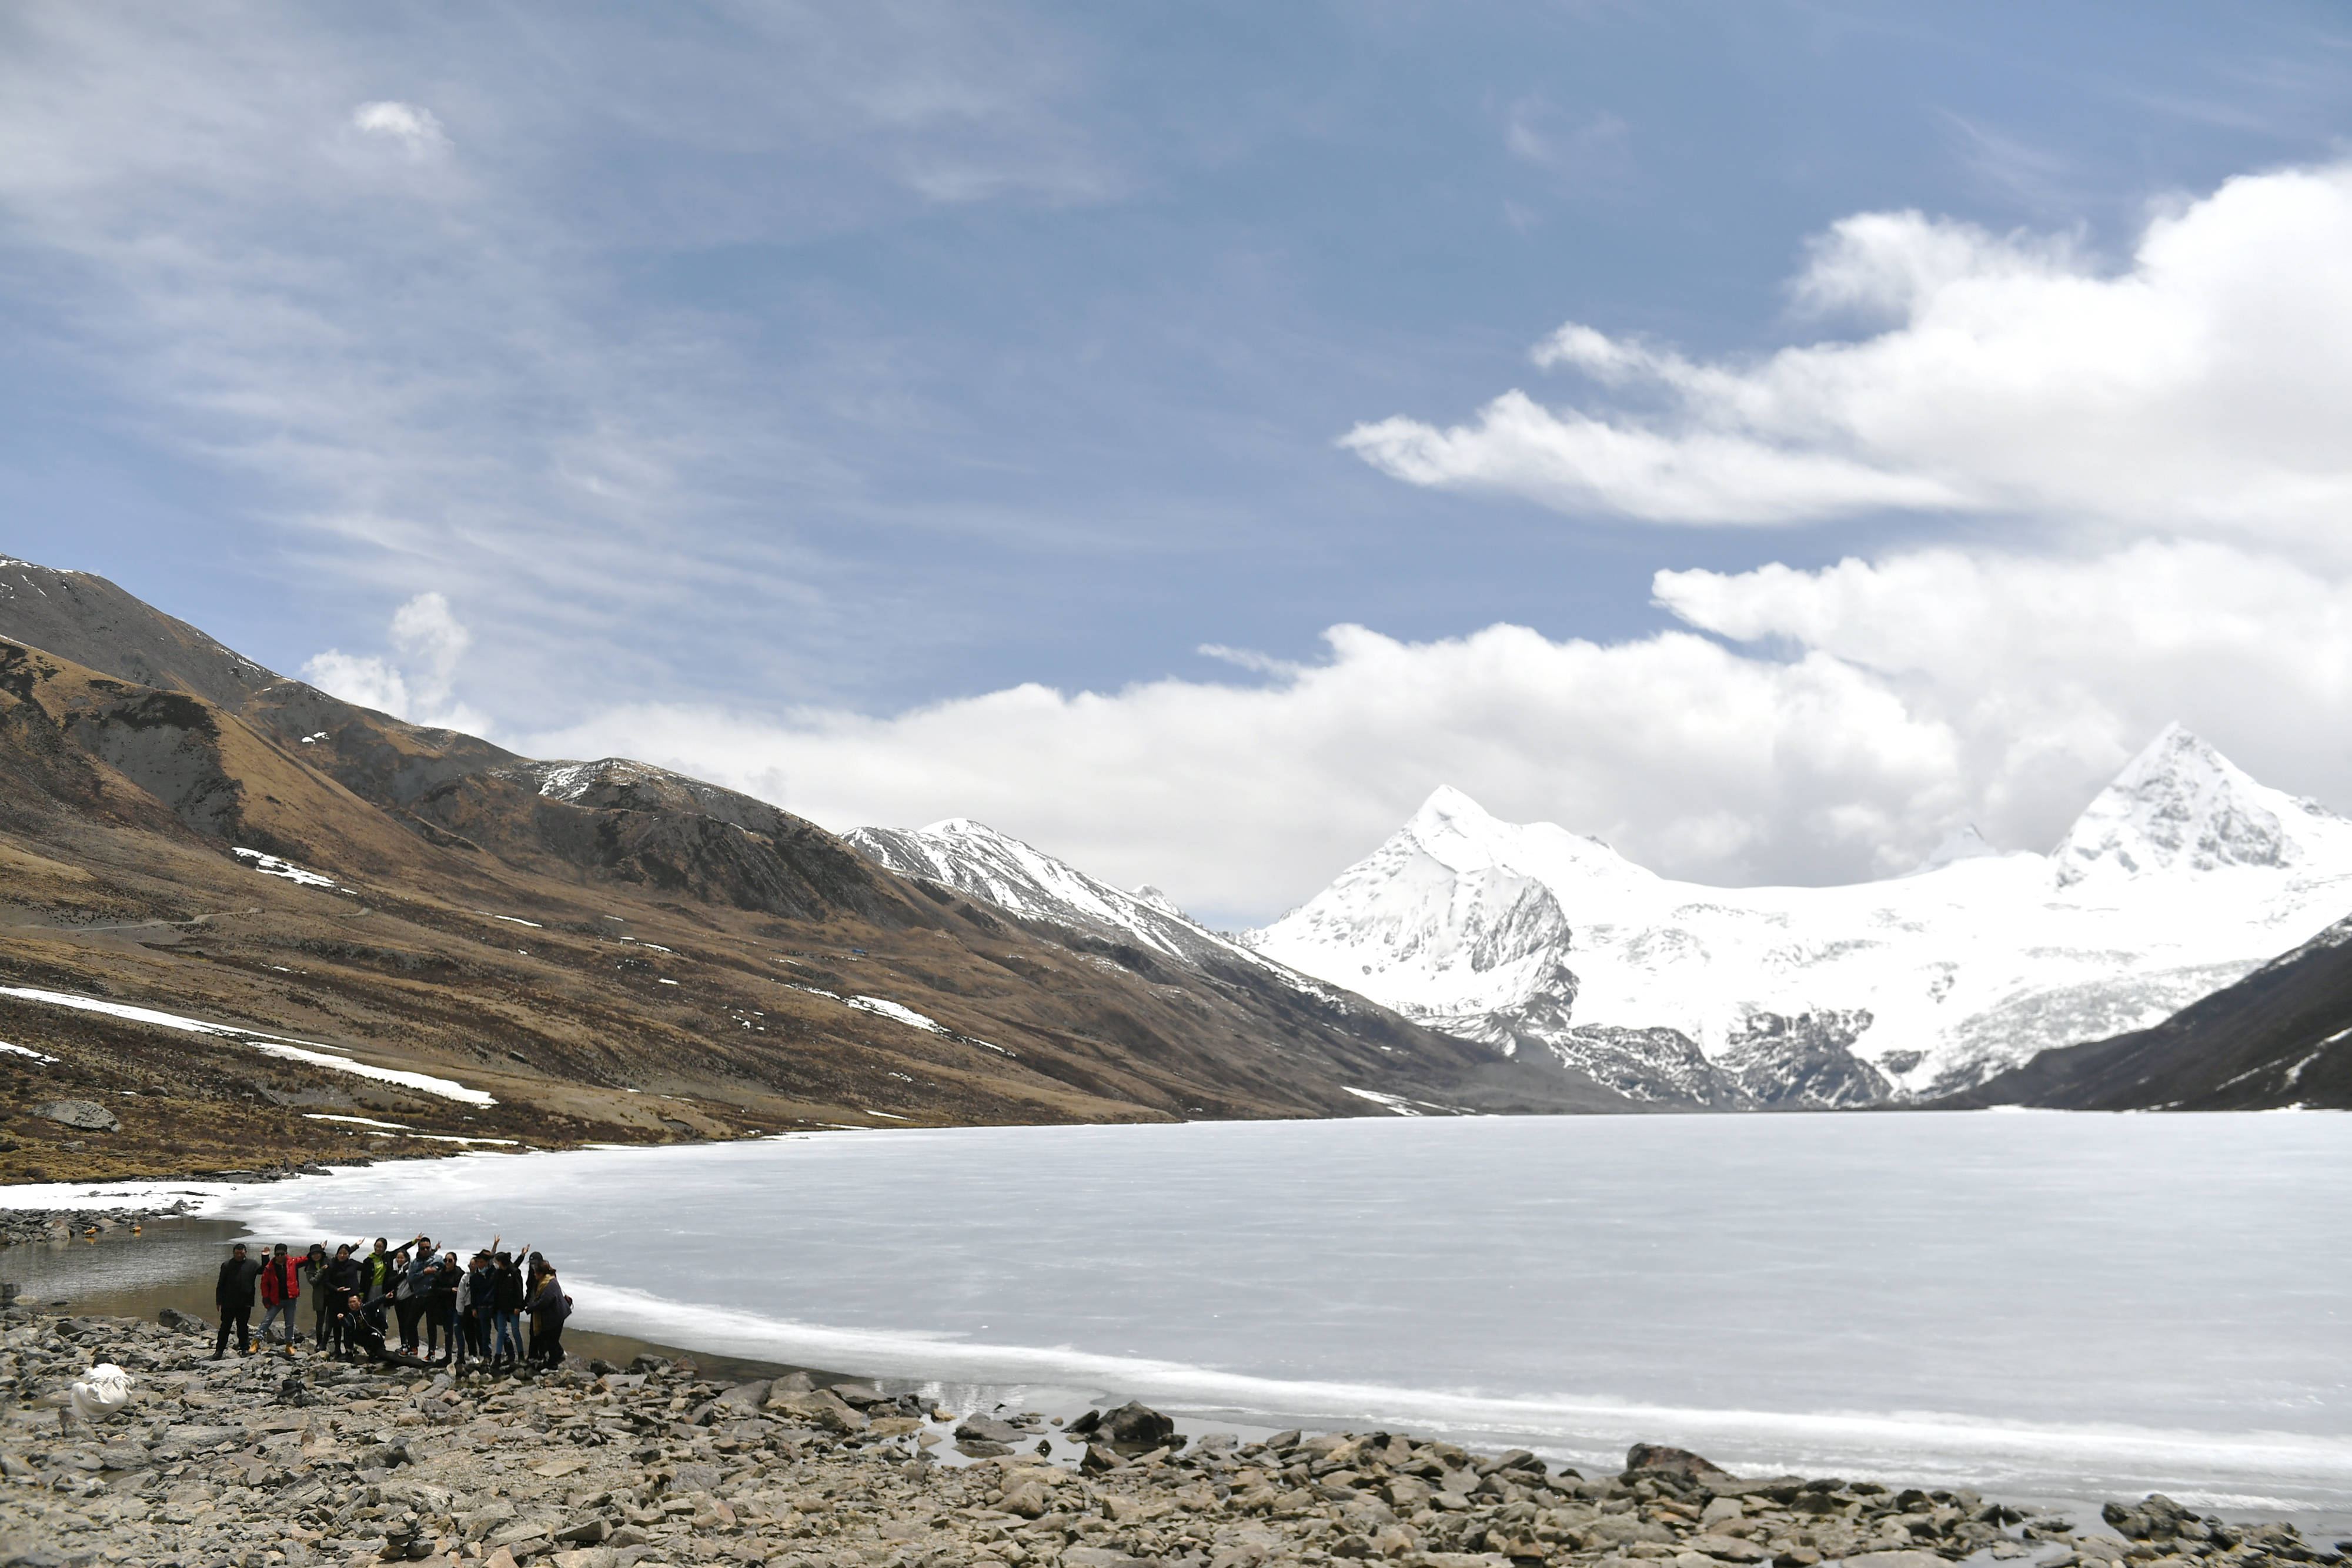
281	1285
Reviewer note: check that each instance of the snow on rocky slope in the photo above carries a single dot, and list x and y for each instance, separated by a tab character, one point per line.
981	863
2182	875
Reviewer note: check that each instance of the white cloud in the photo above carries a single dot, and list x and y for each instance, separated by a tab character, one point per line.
415	129
2200	387
1884	704
419	686
1243	799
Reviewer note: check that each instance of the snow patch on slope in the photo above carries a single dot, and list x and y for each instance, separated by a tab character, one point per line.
280	1046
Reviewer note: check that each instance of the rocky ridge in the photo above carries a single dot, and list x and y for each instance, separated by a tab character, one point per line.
269	1462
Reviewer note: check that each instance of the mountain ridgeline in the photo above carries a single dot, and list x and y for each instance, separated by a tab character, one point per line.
2177	884
267	926
584	950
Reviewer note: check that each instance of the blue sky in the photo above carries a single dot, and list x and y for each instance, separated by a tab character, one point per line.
752	380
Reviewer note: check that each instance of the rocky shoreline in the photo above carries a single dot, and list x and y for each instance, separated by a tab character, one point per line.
278	1461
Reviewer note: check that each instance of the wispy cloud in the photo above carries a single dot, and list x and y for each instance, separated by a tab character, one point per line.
388	279
1582	152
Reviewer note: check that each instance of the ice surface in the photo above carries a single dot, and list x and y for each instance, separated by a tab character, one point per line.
317	1055
2081	1305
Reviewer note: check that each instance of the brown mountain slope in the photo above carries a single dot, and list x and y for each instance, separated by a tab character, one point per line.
609	951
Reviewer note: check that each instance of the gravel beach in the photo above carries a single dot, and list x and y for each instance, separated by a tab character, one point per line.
280	1461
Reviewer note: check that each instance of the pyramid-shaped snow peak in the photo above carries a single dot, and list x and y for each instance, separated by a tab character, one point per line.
2181	806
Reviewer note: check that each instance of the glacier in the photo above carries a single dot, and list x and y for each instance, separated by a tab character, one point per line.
2181	876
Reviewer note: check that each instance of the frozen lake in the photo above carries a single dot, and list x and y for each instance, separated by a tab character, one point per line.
2034	1304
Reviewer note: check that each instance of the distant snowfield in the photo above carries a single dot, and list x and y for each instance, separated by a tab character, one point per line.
2182	877
315	1054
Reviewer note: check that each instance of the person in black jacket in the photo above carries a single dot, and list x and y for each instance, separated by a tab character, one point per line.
507	1321
441	1310
363	1332
233	1294
339	1279
548	1310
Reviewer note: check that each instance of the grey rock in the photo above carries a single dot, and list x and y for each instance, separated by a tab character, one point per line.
693	1478
745	1397
86	1116
1673	1461
1137	1428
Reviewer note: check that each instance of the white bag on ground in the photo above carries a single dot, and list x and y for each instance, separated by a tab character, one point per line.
103	1391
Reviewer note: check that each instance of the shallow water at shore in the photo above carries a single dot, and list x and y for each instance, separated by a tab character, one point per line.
2084	1306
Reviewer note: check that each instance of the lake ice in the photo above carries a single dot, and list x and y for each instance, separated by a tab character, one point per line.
2044	1304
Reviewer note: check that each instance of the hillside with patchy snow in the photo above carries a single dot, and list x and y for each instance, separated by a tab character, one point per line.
2181	877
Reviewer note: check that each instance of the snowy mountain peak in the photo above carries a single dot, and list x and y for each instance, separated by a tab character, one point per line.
1449	809
2181	806
1532	938
1146	894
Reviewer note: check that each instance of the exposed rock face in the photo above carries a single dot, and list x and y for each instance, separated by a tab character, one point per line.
1807	1059
85	1114
1656	1064
600	1467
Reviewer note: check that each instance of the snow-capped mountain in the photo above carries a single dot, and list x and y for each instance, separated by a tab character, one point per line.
2181	876
976	860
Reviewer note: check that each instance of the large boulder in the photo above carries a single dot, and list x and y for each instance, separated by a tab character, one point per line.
988	1429
1135	1429
85	1115
1657	1457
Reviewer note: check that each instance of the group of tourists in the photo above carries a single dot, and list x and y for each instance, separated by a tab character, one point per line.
409	1304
